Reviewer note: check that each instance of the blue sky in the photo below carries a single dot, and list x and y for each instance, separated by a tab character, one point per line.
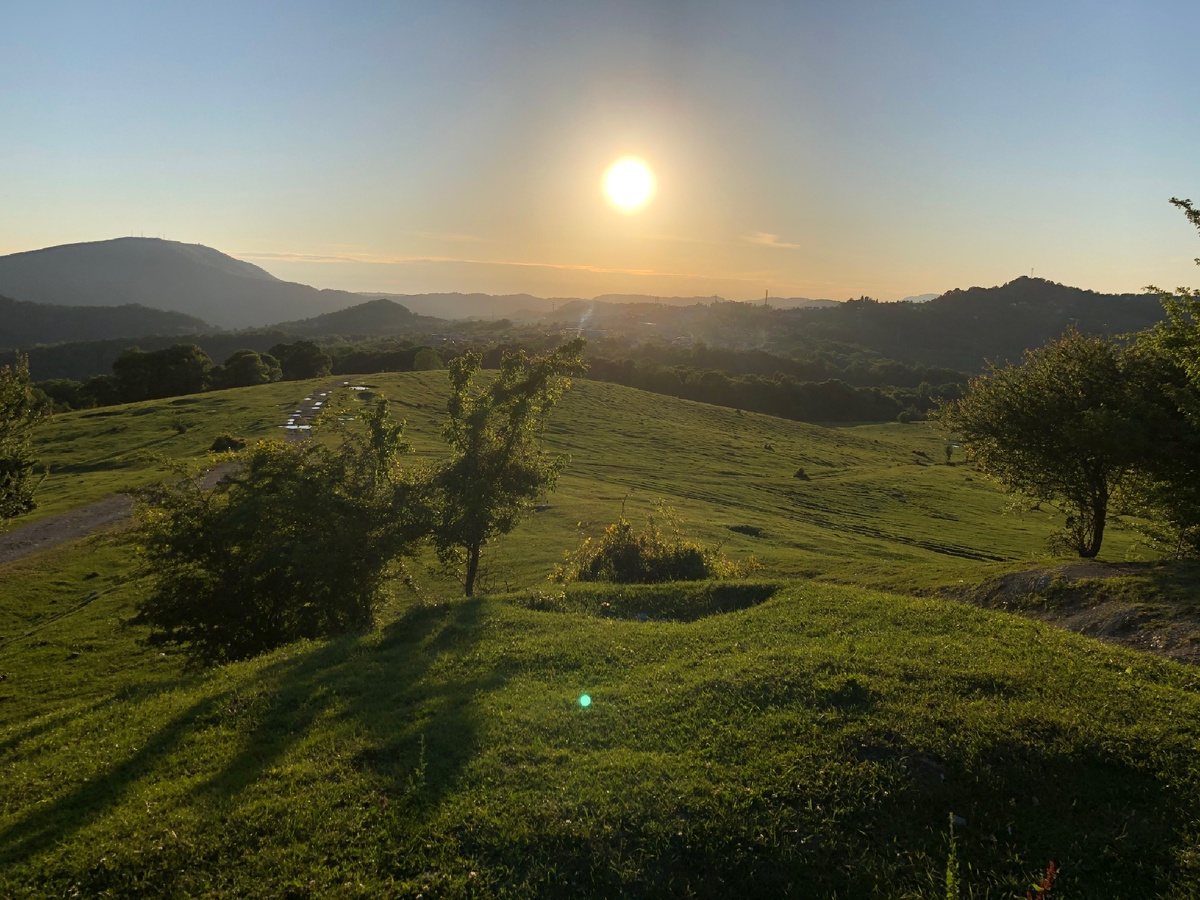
822	149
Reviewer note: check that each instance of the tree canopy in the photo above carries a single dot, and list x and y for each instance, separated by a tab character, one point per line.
297	544
497	465
1065	427
154	374
19	413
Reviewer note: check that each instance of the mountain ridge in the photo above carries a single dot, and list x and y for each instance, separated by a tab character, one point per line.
23	323
169	275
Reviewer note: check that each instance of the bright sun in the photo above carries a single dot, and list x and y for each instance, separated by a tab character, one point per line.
629	184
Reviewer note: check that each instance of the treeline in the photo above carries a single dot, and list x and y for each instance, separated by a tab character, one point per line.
844	362
186	369
781	394
834	385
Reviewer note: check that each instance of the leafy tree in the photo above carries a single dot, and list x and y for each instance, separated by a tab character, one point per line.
179	369
20	412
245	368
101	390
301	360
426	359
1065	427
297	544
497	465
1169	492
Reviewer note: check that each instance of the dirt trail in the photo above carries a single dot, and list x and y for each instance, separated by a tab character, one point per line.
79	522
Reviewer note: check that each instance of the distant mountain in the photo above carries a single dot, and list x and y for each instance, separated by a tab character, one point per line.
919	298
800	303
24	324
526	307
964	328
187	278
472	306
375	317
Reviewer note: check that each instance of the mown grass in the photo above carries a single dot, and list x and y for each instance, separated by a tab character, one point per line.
807	735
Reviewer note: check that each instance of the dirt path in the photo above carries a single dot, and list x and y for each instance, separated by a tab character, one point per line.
77	523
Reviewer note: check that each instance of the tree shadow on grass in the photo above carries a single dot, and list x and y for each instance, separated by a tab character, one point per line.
409	718
383	687
56	821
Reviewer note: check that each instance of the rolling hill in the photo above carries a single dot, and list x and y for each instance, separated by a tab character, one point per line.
186	278
810	734
375	317
24	324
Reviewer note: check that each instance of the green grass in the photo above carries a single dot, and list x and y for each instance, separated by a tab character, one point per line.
811	744
806	735
93	454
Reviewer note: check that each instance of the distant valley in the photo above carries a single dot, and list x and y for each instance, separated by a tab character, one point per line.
107	295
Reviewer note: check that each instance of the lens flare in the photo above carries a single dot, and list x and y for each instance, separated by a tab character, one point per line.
585	701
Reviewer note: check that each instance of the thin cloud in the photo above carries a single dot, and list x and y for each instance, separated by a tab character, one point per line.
764	239
452	236
678	239
362	258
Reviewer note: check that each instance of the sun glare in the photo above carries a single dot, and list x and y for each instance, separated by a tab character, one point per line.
629	184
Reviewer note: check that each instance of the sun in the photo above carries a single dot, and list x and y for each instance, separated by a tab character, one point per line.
629	184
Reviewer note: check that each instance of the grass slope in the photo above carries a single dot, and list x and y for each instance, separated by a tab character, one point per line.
810	740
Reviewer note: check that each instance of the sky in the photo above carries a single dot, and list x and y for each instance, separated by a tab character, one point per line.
829	148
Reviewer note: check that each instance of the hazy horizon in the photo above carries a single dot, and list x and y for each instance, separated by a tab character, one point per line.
817	151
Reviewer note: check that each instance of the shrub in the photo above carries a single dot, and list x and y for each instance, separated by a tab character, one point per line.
649	556
298	544
227	443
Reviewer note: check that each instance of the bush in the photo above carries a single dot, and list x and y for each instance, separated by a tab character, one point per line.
649	556
227	443
298	544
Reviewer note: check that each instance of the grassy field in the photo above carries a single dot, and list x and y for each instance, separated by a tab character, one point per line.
93	454
806	735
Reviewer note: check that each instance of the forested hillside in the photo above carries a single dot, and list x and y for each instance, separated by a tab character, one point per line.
24	324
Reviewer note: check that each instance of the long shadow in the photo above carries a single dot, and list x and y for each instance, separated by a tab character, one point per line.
386	691
48	722
380	696
52	822
57	820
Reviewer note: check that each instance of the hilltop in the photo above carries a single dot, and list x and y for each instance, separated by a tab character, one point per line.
375	317
187	278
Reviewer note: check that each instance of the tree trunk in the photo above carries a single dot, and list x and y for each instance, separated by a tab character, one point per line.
1099	514
472	569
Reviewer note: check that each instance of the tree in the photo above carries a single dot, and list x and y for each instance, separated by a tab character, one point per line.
1169	490
497	466
301	360
298	544
176	370
245	368
19	414
1065	427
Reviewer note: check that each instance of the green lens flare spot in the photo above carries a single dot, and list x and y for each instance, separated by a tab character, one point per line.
585	701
